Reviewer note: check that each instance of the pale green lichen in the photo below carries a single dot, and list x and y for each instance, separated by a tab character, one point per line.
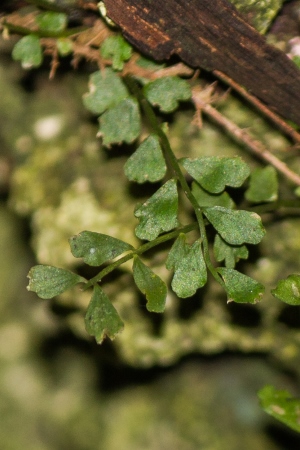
78	210
260	13
67	185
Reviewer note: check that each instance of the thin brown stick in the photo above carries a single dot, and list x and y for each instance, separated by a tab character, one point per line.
131	67
54	64
242	137
277	120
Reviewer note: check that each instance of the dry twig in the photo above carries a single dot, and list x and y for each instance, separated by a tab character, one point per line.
242	136
277	120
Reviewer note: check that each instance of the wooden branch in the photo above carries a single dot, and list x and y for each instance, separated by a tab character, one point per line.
212	35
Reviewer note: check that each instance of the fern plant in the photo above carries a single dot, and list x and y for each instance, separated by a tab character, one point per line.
189	260
132	96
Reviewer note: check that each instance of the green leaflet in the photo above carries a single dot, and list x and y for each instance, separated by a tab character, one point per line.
150	285
64	46
263	185
297	191
239	287
288	290
150	64
48	281
296	60
97	248
189	267
28	50
101	318
230	253
214	173
158	213
281	405
52	22
106	90
118	49
206	199
236	227
121	123
166	92
147	162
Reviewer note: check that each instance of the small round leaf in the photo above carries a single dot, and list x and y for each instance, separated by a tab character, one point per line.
101	318
106	90
28	50
121	123
118	49
52	22
49	281
239	287
288	290
214	173
263	185
151	285
147	162
97	248
281	405
236	227
159	213
189	267
166	92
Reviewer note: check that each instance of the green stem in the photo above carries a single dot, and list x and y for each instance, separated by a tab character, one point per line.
139	251
275	206
43	34
148	110
47	5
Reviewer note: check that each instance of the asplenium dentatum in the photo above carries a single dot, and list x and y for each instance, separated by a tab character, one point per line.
189	259
119	101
